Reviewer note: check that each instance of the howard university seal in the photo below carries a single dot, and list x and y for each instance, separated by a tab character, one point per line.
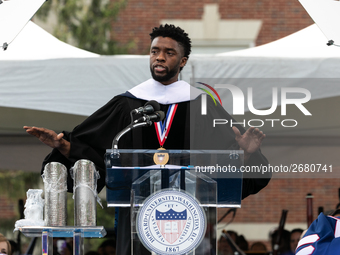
171	222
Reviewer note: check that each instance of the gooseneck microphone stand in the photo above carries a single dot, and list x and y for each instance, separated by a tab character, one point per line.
144	121
127	129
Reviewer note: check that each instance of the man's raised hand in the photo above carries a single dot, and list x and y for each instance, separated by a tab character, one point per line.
50	138
250	141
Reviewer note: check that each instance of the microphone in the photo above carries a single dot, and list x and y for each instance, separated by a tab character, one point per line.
146	121
155	117
149	107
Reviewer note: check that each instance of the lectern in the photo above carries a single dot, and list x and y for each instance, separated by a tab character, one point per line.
162	188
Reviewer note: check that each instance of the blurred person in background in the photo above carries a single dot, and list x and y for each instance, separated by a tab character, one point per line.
14	247
233	234
231	243
295	235
284	245
258	247
5	246
242	243
223	247
107	247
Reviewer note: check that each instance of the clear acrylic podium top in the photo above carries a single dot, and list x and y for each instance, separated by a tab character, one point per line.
124	167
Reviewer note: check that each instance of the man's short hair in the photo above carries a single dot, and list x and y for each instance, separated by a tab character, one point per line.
175	33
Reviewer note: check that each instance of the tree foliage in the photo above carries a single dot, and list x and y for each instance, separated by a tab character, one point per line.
86	23
15	184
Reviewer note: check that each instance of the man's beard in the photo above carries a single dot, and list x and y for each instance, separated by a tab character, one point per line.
165	77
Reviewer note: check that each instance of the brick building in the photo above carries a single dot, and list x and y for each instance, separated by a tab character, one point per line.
277	19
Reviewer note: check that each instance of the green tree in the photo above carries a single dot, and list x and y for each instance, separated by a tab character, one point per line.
87	23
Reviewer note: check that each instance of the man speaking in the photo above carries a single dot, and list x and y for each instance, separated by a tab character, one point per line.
169	52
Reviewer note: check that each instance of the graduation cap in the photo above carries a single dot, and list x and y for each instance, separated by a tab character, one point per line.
325	14
14	15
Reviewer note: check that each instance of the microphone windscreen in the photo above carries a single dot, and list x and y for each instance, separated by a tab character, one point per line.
154	104
161	115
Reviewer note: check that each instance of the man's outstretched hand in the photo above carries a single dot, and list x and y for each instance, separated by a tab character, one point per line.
250	141
50	138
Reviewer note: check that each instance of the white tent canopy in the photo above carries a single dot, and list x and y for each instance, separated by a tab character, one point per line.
40	72
34	43
63	78
74	81
14	15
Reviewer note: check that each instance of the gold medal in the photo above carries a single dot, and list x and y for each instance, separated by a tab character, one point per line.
161	158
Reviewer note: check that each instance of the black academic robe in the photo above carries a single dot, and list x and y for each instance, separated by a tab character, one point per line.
189	130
